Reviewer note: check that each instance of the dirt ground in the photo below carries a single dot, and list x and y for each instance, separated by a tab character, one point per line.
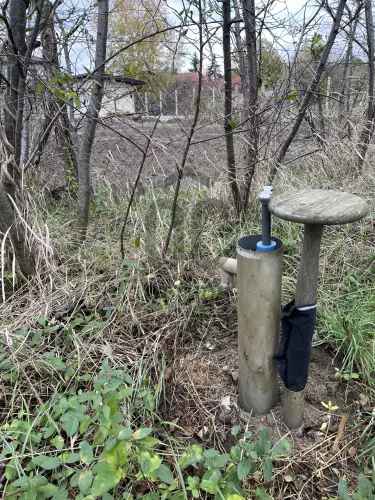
203	400
116	159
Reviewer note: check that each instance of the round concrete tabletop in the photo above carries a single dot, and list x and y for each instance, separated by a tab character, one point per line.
319	206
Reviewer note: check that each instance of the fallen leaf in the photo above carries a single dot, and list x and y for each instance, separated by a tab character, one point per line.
226	404
363	400
288	478
352	451
203	432
168	374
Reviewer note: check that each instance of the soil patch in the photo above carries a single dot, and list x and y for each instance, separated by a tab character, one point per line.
202	393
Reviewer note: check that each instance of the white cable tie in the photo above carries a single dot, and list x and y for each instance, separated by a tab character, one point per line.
306	308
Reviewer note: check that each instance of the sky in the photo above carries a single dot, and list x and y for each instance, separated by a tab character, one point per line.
287	15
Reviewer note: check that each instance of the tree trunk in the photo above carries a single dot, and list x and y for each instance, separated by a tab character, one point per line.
311	90
84	177
228	118
241	59
344	105
322	126
248	9
368	128
16	74
9	225
54	105
13	113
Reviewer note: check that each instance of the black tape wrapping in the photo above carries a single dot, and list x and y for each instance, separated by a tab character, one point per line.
297	330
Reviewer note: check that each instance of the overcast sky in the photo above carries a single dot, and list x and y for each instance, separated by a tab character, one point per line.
286	16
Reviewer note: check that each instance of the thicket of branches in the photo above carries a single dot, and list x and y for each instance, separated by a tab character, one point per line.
285	87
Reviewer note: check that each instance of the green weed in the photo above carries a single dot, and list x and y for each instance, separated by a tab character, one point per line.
92	443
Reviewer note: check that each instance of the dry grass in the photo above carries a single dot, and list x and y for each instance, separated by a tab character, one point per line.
170	320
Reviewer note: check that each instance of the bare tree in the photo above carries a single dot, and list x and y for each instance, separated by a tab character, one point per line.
248	9
181	167
55	105
228	118
240	52
368	127
88	136
18	58
311	90
344	104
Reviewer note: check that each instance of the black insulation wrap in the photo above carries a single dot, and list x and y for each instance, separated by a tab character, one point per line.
297	330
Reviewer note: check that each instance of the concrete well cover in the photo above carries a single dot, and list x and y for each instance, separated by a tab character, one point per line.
319	206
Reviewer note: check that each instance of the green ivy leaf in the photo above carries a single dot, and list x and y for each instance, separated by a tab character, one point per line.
69	458
46	462
263	444
281	449
125	434
210	481
214	459
164	473
116	454
343	490
86	452
84	482
149	463
243	469
58	442
193	485
364	487
193	456
235	431
70	423
267	469
106	478
141	433
61	494
84	424
261	494
52	491
11	469
55	362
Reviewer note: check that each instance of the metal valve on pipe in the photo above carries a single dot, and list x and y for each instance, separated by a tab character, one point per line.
266	244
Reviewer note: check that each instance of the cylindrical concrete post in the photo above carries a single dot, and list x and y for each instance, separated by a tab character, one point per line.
259	304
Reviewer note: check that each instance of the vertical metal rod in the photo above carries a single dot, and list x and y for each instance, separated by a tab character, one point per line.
266	223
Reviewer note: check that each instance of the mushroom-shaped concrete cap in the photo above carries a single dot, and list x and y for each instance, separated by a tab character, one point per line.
319	206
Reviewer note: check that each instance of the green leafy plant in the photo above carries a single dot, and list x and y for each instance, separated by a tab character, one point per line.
90	443
365	489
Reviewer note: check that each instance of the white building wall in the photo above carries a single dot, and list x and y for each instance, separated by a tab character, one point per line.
118	99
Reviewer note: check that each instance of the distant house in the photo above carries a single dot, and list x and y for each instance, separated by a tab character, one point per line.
178	99
119	93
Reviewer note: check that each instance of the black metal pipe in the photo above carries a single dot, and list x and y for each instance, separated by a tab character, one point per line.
266	223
